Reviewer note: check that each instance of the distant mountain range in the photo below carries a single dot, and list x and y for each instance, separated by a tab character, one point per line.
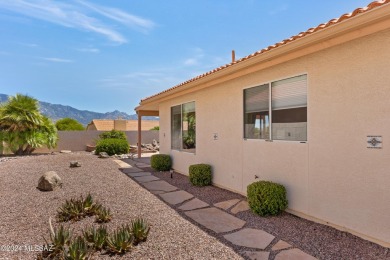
56	112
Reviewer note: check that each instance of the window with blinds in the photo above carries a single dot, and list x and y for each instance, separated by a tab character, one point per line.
256	118
277	111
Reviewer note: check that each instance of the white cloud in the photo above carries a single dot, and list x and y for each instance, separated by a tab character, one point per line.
78	15
92	50
120	16
52	59
196	58
191	62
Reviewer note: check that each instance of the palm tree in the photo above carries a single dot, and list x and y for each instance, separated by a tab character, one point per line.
23	128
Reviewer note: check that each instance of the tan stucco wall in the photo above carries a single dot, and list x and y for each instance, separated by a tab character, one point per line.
333	177
78	140
121	125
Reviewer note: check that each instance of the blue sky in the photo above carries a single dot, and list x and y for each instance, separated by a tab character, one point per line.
106	55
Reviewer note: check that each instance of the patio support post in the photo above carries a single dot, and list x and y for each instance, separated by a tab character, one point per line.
139	134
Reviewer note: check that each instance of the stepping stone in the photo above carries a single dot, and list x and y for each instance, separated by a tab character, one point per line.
249	237
281	245
176	197
157	192
159	185
294	254
242	206
131	170
193	204
257	255
142	165
122	164
226	204
216	219
146	178
145	160
138	174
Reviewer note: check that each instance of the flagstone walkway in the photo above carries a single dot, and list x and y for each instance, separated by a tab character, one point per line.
218	217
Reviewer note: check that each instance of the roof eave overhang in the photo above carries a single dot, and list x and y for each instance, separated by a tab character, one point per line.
361	25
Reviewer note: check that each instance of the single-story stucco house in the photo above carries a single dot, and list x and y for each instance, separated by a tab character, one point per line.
311	112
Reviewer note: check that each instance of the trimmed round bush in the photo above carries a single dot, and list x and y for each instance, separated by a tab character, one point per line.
161	162
200	174
267	198
112	146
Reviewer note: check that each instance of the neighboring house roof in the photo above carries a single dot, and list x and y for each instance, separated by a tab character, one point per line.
120	124
344	17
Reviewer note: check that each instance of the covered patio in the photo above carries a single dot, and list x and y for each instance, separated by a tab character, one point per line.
140	114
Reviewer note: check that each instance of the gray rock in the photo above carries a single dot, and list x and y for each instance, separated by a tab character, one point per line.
49	181
75	164
103	155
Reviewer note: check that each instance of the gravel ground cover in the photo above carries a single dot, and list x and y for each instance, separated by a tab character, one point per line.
321	241
25	211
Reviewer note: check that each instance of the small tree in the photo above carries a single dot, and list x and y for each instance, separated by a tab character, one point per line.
69	124
23	128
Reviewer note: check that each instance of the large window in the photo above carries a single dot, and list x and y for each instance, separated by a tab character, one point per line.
183	127
277	111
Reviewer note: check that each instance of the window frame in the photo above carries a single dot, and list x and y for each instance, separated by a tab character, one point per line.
269	83
181	149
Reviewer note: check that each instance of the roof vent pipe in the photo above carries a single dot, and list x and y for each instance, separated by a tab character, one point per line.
233	56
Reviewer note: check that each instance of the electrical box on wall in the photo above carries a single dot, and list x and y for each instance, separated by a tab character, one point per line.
374	141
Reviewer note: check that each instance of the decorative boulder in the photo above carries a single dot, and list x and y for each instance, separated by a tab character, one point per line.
75	164
49	181
103	155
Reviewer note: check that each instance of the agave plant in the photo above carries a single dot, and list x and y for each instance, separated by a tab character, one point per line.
71	210
140	230
120	241
103	215
77	250
88	205
96	207
60	238
97	237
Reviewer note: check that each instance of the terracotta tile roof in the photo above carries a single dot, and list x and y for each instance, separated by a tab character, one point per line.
322	26
103	125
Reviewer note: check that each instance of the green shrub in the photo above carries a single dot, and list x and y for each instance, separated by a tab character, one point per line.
267	198
113	134
200	174
161	162
69	124
112	146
